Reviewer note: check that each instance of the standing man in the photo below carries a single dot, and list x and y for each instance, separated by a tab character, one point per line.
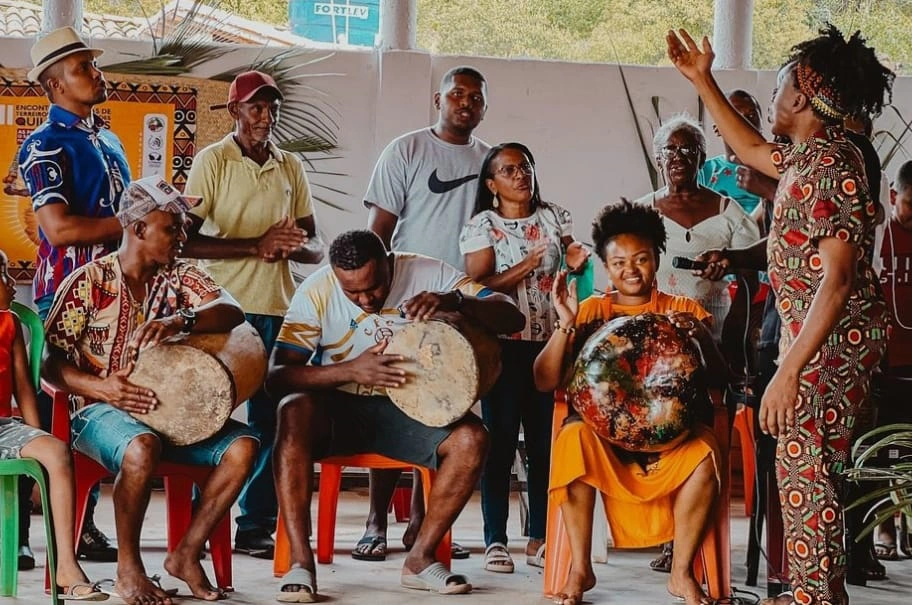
423	183
75	170
255	217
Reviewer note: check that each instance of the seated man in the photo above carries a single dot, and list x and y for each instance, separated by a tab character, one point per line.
330	372
104	313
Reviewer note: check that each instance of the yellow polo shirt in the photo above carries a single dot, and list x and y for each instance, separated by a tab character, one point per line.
242	199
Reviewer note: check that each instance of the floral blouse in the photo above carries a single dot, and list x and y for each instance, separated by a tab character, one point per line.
512	239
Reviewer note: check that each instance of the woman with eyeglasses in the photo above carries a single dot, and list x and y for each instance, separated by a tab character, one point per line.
515	243
697	219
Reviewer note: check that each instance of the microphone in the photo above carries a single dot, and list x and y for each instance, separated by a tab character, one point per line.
682	262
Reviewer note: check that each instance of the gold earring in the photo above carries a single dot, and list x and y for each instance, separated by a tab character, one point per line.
496	202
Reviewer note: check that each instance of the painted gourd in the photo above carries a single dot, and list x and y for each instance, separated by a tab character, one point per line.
635	382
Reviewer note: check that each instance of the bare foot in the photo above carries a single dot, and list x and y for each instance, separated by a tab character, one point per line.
682	584
576	585
187	567
135	588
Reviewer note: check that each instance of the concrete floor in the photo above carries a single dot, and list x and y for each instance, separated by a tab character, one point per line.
626	578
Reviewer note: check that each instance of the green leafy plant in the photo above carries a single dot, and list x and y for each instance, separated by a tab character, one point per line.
891	486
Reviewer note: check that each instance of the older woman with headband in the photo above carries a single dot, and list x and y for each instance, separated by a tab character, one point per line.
833	315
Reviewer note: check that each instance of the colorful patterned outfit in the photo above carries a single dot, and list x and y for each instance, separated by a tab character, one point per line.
822	193
82	164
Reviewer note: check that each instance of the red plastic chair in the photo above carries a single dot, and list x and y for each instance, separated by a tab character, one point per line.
330	483
712	565
744	424
179	481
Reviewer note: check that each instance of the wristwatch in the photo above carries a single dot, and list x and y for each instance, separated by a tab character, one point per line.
459	298
189	318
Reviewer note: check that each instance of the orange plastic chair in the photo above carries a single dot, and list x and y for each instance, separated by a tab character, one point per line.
712	565
179	481
330	483
744	424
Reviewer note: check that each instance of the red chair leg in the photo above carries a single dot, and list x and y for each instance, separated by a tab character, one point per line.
178	504
220	549
330	483
402	504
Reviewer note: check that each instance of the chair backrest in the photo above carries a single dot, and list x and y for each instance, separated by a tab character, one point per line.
35	327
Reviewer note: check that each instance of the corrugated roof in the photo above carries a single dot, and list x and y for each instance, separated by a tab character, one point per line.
24	19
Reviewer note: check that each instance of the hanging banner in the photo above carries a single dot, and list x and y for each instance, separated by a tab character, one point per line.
155	122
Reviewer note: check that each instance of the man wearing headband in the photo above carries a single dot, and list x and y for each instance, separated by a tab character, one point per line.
104	313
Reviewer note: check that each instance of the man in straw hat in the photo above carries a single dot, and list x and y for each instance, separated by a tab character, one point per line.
75	170
136	297
255	217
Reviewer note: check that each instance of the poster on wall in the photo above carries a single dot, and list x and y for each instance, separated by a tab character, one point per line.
155	122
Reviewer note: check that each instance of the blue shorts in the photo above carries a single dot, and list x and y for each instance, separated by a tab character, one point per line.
102	432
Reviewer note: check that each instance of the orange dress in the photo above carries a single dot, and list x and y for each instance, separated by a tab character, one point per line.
638	500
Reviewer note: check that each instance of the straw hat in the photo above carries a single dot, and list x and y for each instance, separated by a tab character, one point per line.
54	46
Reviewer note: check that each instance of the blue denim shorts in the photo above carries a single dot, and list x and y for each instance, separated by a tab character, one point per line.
102	432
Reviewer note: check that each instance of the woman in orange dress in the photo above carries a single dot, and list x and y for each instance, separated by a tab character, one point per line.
649	498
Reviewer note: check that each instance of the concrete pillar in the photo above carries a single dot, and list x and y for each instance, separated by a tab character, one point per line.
398	24
732	29
60	13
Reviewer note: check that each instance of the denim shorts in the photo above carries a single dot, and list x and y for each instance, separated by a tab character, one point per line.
15	435
102	432
373	424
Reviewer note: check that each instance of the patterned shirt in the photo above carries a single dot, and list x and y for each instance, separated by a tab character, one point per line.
823	193
512	239
94	314
66	160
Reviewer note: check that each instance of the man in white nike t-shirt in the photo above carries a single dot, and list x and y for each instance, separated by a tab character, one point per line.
420	195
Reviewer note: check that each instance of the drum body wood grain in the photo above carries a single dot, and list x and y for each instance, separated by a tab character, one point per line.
198	380
451	364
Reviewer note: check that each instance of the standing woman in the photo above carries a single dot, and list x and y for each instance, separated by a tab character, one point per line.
819	252
514	244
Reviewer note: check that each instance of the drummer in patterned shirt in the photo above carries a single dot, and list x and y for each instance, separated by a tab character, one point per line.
103	314
330	369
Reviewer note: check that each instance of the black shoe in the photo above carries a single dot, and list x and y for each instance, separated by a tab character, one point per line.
95	546
255	542
26	558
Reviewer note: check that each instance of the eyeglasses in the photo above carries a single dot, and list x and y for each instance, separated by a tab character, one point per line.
511	170
687	151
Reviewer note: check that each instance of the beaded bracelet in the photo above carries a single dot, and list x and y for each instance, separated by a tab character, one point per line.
559	328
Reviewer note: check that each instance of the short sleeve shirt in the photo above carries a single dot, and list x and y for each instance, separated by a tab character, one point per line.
242	199
94	315
69	161
721	175
324	324
511	240
823	193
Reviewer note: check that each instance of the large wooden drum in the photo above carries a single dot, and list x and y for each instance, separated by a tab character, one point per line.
198	380
451	364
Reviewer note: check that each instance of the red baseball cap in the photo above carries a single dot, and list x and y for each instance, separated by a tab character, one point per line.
247	84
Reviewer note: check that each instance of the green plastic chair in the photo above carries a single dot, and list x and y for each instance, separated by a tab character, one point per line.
9	481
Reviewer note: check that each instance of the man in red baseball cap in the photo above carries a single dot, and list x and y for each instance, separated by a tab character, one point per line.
256	216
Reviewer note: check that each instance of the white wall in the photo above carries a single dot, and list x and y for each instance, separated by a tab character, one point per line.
573	116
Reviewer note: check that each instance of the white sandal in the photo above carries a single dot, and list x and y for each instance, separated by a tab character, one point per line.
538	559
497	558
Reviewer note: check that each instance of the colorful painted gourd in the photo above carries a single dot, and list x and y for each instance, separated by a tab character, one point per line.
634	382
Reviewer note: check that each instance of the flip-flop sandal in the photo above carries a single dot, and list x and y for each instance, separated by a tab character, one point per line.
68	593
538	559
662	563
436	578
885	552
303	578
372	543
155	579
459	552
497	558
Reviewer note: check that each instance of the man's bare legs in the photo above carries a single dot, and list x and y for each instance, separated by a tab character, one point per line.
695	500
217	496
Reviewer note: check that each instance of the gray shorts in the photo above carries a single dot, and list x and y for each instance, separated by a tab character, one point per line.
14	435
374	425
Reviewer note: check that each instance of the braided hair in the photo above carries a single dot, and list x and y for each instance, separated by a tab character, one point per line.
849	71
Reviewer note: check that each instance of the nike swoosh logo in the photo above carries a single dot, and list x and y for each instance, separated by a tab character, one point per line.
438	186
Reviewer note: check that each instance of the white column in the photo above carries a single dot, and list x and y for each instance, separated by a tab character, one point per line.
398	24
60	13
732	29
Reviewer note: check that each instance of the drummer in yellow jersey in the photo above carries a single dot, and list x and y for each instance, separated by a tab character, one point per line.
331	372
102	314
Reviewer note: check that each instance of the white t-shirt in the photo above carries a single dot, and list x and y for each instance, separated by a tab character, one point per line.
512	239
324	323
430	185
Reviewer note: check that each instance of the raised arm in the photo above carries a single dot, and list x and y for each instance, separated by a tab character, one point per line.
696	65
65	229
548	368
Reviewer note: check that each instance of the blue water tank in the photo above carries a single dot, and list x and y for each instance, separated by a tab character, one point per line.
339	21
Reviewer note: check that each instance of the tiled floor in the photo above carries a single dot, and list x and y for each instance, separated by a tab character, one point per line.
626	578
